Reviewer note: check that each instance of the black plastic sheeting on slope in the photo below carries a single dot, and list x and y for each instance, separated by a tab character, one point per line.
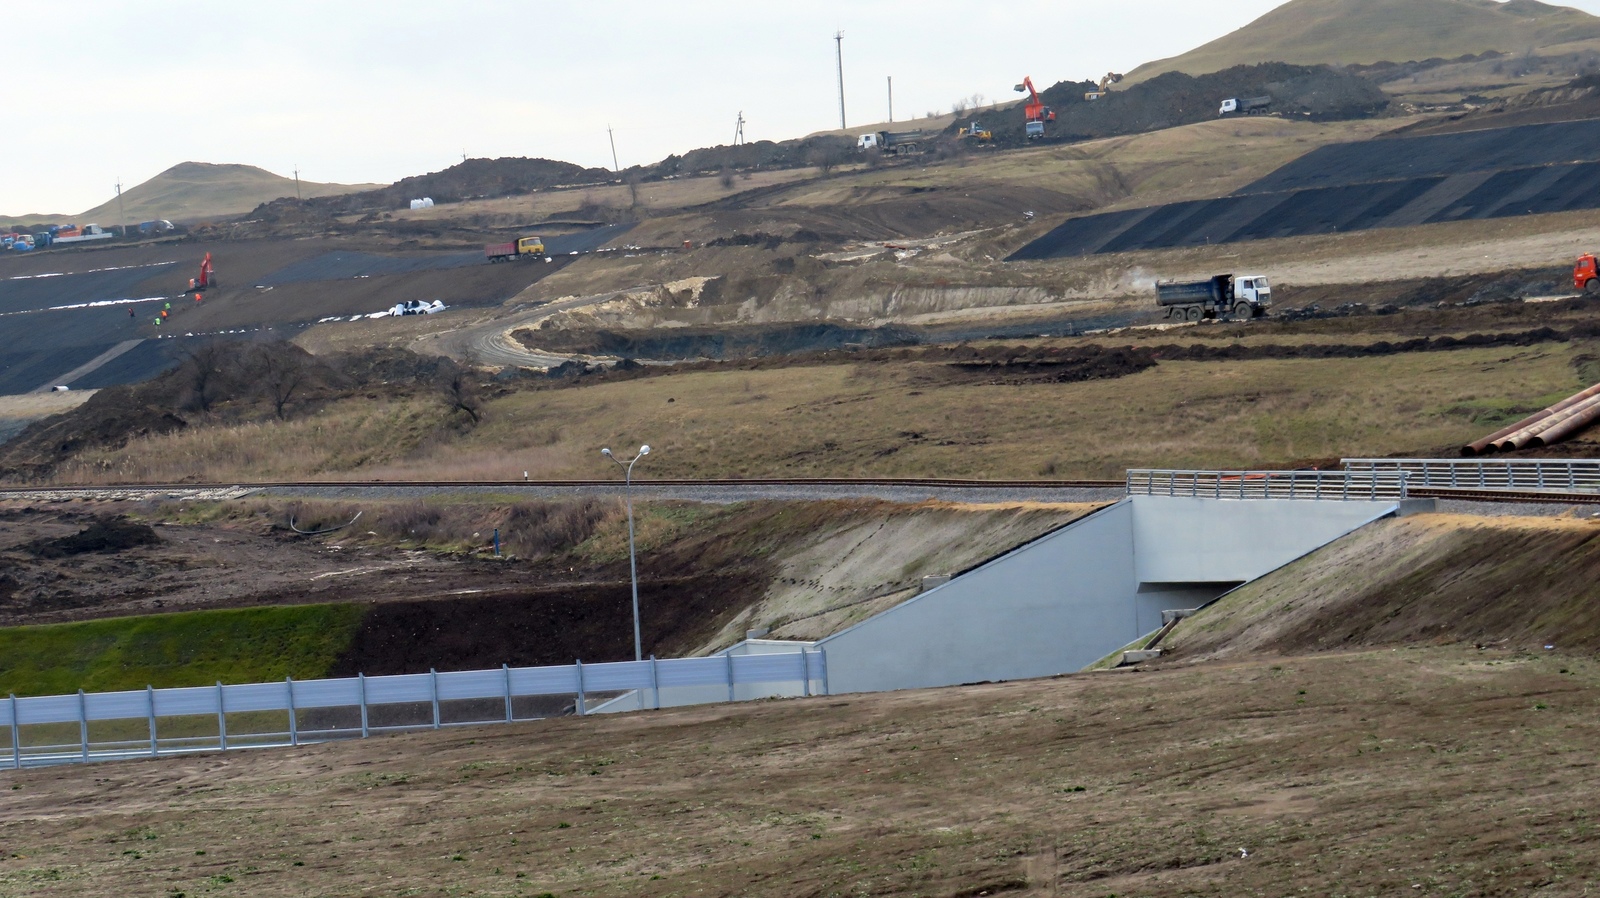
1327	210
342	265
1437	155
28	294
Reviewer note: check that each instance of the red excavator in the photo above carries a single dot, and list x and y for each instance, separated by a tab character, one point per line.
1035	111
206	280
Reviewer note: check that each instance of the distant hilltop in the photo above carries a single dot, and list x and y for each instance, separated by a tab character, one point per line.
195	191
1361	32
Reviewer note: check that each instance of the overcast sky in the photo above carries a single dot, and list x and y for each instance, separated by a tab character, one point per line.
357	91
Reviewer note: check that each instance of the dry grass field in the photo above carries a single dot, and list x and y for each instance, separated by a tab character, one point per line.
888	419
1417	772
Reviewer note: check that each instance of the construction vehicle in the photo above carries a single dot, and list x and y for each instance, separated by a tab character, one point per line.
521	248
1585	275
978	133
1034	113
1105	86
1244	297
1247	106
898	143
205	280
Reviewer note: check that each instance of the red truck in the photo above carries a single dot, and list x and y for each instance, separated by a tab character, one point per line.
1584	275
521	248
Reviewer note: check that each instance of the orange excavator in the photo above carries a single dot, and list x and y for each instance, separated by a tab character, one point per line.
1035	113
206	280
1035	110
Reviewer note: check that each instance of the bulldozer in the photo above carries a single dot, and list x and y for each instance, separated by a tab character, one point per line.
1105	86
977	132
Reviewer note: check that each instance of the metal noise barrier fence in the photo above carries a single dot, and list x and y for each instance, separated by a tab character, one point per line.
1488	474
1311	485
155	722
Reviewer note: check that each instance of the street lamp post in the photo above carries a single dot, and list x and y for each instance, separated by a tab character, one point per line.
633	565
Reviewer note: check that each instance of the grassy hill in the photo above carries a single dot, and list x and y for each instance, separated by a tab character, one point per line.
192	191
1355	32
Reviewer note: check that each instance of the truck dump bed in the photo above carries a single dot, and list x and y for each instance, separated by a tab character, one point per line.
1184	294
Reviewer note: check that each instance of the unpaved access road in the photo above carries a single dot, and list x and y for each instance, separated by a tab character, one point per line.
489	342
1441	771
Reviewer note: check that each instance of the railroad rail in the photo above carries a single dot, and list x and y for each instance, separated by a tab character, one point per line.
1257	484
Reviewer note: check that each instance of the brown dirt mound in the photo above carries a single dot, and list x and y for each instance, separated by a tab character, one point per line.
104	534
1166	101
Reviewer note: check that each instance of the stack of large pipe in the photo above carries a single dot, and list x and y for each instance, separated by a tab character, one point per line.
1565	419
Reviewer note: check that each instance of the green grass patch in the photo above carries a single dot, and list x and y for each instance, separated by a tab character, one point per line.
196	648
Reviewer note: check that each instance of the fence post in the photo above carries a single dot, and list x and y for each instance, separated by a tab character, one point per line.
16	735
83	724
655	683
507	669
729	656
150	700
581	710
434	679
222	718
361	681
805	673
294	725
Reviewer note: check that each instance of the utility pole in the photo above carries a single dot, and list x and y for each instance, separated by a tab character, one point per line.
614	164
122	215
891	99
297	181
738	130
838	42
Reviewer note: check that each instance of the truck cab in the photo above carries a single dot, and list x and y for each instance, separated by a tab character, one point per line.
1035	130
869	142
1255	290
530	246
1585	277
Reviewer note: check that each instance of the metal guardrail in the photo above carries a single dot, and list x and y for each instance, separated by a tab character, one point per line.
1566	475
1309	485
248	715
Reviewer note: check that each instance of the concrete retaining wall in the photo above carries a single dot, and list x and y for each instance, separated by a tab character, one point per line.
1070	598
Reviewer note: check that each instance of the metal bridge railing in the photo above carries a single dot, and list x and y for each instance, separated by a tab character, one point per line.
1308	485
149	722
1565	475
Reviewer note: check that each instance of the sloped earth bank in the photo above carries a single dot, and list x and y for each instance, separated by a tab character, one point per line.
439	599
1526	583
1416	772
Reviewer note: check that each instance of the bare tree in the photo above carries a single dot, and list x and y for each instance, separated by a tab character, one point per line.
281	373
460	387
725	178
205	375
826	159
632	180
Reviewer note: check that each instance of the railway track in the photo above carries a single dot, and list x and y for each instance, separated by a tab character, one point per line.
224	491
1469	495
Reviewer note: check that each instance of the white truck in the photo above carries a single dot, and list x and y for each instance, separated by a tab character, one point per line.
86	234
898	143
1246	106
1241	297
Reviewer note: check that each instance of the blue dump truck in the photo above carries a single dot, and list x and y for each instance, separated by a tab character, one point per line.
1247	296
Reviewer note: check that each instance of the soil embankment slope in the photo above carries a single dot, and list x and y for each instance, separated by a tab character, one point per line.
1427	579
